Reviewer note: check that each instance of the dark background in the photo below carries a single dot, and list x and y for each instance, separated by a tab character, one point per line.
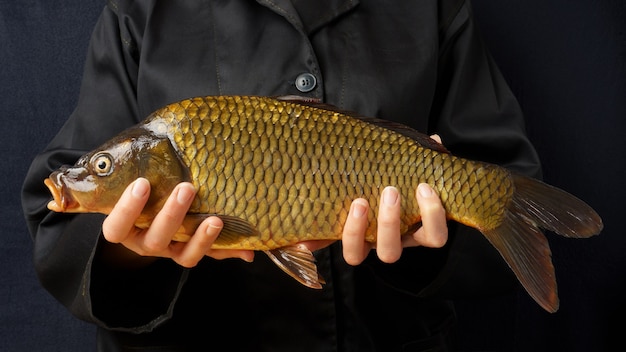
564	59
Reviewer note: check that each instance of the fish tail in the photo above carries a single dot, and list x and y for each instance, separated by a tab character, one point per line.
521	242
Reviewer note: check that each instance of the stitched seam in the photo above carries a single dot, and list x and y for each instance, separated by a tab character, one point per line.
285	13
215	57
444	26
113	5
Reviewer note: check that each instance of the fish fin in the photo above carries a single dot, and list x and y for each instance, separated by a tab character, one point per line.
554	209
301	99
188	227
234	231
526	250
299	263
181	235
534	206
421	138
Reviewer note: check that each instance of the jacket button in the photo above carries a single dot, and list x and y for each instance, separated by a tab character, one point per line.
306	82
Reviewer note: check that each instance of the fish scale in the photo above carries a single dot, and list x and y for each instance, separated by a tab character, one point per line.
290	181
279	171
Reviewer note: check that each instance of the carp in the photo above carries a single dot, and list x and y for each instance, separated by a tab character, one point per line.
279	171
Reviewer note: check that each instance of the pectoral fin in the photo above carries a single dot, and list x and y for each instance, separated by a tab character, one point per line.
235	229
299	263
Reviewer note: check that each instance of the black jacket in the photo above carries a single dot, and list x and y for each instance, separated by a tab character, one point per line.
419	62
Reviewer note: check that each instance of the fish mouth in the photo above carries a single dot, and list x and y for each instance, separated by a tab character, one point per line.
62	200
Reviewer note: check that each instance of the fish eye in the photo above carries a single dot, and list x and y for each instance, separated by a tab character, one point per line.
102	164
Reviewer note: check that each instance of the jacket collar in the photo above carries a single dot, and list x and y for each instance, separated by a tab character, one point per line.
309	15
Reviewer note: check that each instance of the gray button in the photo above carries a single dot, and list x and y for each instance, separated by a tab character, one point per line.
306	82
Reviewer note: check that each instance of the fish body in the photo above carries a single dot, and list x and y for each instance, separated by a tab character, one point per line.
279	171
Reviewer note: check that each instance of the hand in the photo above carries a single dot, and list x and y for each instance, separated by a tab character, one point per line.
156	241
433	232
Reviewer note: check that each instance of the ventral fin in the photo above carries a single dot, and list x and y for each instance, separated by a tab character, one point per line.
298	262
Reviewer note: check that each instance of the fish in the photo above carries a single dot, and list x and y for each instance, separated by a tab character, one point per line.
282	170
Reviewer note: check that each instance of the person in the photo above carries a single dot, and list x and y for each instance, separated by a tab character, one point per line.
422	64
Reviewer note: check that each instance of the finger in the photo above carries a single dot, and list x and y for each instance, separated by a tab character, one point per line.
200	243
353	236
245	255
314	245
436	137
434	230
189	254
212	228
169	219
388	240
121	221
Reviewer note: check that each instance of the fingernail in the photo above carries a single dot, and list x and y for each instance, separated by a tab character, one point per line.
140	188
249	258
390	195
358	209
185	194
211	227
425	190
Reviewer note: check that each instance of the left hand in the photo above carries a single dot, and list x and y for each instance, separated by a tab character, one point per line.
390	242
433	232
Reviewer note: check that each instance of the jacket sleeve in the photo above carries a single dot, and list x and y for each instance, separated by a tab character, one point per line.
478	117
65	245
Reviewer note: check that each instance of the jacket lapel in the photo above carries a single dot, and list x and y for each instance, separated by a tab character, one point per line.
309	15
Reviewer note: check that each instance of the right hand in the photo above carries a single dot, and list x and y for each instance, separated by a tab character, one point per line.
156	241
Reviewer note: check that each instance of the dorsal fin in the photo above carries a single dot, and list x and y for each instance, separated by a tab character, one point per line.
421	138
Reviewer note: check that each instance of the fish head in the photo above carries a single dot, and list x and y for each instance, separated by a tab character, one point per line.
97	180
